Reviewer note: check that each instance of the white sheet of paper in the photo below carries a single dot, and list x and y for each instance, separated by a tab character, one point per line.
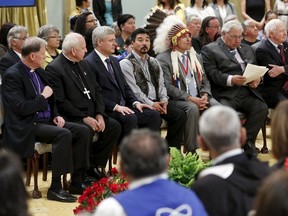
253	72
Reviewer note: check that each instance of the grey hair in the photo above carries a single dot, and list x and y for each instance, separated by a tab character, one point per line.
143	153
246	23
71	41
32	44
15	33
220	127
100	33
233	24
271	26
192	17
45	31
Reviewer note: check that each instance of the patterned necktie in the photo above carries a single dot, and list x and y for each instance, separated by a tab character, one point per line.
280	47
112	74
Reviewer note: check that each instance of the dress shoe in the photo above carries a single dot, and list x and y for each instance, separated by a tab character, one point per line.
250	149
95	173
61	196
88	181
76	189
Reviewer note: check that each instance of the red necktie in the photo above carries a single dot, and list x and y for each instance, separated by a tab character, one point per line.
280	47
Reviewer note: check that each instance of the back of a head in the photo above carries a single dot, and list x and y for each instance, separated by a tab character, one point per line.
271	198
15	33
279	130
143	153
32	44
220	128
13	194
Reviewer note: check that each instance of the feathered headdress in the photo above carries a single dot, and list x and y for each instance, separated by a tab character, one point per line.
172	28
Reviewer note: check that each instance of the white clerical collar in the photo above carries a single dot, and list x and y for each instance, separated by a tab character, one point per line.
148	180
68	58
226	155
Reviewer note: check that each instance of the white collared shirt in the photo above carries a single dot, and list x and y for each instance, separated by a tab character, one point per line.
226	155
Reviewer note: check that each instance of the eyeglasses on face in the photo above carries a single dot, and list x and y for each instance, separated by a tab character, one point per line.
234	37
21	38
55	36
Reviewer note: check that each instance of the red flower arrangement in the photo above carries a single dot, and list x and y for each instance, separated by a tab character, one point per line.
104	188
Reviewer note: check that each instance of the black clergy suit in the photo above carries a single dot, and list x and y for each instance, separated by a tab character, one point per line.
271	90
112	93
75	105
9	59
23	128
219	63
229	187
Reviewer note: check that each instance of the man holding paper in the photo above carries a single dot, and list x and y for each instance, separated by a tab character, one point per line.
224	63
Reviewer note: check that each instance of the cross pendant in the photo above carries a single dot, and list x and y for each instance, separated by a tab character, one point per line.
86	91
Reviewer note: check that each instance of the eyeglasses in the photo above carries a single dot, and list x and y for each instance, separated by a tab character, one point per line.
215	27
234	37
92	20
55	36
21	38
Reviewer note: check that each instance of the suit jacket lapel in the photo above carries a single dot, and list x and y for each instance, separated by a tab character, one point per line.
275	52
71	74
227	51
27	80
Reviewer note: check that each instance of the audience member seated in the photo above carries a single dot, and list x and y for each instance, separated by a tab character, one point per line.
273	53
107	11
271	198
194	24
145	159
16	37
199	8
126	24
144	75
79	99
13	196
230	185
120	102
127	47
187	85
31	116
279	131
209	32
224	63
50	34
3	37
85	21
250	32
171	7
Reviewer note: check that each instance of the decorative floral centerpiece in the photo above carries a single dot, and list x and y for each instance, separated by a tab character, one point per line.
104	188
182	169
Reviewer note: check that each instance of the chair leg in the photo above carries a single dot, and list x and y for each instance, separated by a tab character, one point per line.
264	149
36	194
115	154
28	172
45	166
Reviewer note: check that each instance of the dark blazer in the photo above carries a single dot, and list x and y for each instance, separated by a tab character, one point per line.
99	10
71	102
172	91
21	105
110	90
9	59
266	54
219	63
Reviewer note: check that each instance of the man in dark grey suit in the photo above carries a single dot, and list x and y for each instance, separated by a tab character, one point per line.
187	85
15	38
224	63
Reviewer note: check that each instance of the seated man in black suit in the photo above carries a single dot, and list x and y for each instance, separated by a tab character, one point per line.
230	185
31	115
79	99
224	62
273	53
120	102
15	38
